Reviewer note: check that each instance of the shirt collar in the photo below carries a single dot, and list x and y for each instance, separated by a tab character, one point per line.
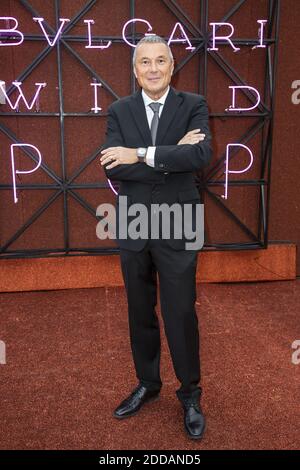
148	100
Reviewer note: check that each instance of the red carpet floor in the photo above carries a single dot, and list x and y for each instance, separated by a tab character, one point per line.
68	364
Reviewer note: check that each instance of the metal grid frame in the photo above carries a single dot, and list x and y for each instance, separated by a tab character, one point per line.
65	186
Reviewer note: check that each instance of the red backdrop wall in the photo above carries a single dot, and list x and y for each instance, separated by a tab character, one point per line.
83	135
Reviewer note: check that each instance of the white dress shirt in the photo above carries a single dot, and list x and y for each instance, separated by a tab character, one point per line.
147	100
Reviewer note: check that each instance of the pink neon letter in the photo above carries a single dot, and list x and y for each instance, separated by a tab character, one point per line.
227	171
21	95
183	33
261	33
14	172
133	21
232	106
96	108
111	186
40	21
89	22
13	30
214	48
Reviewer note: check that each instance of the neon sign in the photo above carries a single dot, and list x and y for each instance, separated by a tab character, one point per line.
178	26
14	37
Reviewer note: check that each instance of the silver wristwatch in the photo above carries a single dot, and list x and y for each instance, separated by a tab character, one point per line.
141	154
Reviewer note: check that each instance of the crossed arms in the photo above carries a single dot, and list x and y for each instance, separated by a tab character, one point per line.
193	152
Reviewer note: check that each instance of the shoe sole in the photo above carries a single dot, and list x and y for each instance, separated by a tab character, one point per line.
195	437
135	412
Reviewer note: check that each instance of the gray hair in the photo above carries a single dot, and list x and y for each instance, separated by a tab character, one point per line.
151	39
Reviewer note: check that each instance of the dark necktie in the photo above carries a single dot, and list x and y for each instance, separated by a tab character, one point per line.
154	123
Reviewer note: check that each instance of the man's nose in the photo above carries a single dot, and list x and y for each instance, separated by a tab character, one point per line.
153	66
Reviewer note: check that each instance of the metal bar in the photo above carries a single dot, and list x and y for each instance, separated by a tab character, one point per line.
91	251
233	217
54	186
263	214
29	153
62	132
30	221
237	183
97	115
38	114
73	21
91	70
203	28
30	186
132	37
251	132
234	246
235	77
188	58
205	71
28	70
84	165
276	6
59	253
182	17
238	115
43	54
233	10
264	148
83	203
132	76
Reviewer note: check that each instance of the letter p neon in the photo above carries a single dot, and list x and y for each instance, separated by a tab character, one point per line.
15	172
227	171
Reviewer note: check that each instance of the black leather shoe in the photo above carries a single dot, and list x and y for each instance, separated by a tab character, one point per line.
131	405
194	420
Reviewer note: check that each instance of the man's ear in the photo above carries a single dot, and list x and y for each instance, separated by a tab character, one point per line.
134	71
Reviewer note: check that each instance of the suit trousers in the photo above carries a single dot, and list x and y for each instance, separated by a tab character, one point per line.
176	271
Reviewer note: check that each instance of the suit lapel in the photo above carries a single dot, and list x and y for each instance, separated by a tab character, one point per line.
139	114
168	114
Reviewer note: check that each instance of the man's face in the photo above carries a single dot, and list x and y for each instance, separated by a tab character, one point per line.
153	68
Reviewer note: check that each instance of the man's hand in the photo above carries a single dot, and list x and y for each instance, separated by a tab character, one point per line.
192	137
118	156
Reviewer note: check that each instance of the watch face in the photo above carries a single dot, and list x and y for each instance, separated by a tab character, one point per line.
142	152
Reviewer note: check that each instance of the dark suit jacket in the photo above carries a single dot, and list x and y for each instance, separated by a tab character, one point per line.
172	179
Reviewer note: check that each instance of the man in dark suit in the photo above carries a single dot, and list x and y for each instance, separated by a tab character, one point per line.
156	139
